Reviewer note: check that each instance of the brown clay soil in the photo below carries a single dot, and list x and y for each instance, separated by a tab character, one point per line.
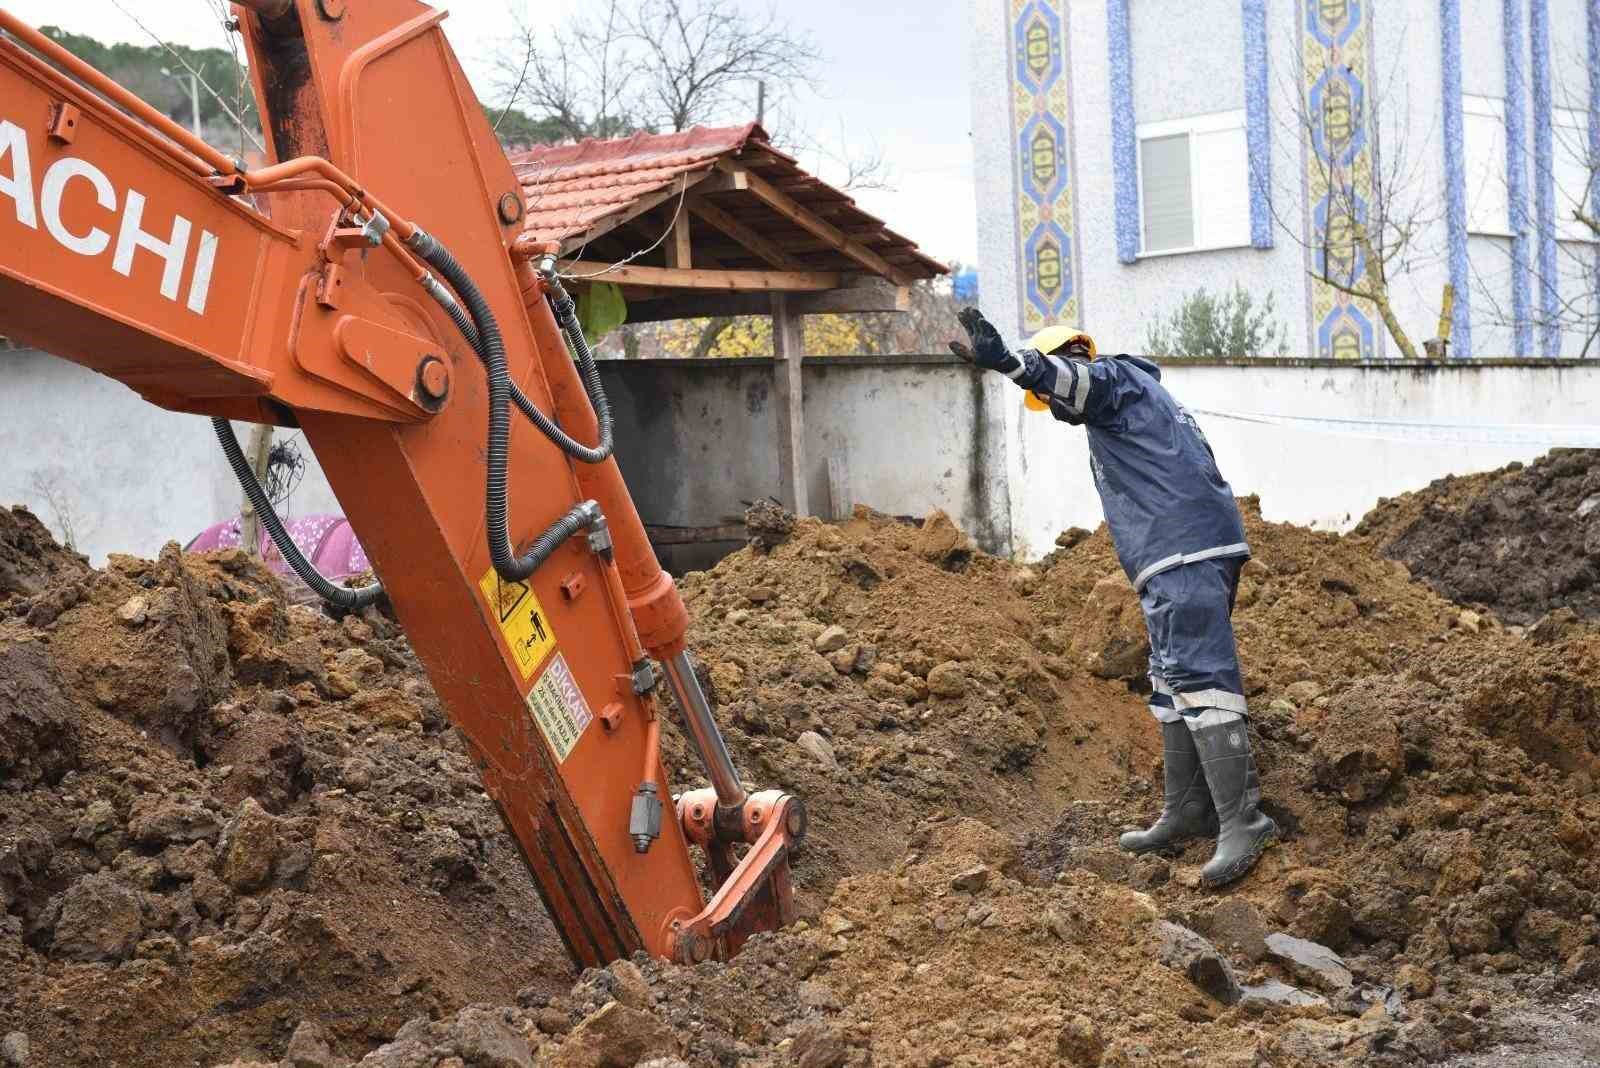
1523	541
230	828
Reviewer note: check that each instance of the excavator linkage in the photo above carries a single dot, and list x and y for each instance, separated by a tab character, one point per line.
313	292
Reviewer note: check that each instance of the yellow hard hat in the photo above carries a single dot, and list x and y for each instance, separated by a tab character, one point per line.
1054	339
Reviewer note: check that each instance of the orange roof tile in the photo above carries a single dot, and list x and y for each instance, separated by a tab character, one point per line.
570	188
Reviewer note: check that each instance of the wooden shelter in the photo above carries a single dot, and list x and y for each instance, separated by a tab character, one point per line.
717	222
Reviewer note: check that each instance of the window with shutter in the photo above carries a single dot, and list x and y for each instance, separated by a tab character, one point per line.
1194	186
1168	211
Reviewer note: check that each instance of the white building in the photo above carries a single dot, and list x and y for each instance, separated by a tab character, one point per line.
1132	151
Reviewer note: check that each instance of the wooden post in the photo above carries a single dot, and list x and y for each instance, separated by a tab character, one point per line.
250	523
788	349
679	256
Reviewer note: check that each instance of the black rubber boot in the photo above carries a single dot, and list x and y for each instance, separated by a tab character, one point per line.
1187	812
1244	830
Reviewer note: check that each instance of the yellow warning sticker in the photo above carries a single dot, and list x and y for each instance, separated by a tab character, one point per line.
523	622
558	707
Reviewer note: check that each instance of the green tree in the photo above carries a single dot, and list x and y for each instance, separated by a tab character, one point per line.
1228	325
156	74
516	129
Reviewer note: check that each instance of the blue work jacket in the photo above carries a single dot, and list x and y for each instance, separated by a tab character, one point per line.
1165	501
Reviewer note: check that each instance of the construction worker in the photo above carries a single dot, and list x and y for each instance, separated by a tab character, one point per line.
1180	538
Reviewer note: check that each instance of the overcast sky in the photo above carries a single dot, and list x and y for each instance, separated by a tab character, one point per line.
891	83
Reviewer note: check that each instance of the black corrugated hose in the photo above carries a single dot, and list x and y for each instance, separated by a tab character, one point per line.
481	331
566	315
339	596
567	318
490	346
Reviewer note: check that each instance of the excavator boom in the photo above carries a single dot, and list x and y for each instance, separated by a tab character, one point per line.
365	286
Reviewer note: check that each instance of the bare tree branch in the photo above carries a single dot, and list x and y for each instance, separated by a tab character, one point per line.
221	103
1376	208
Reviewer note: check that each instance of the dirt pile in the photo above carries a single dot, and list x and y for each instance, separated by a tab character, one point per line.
957	955
1523	541
242	829
29	556
220	815
885	671
1434	773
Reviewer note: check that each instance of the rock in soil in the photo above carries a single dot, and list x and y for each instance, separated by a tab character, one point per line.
1316	964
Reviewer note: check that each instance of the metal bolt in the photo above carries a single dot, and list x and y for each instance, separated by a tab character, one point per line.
510	208
332	10
434	377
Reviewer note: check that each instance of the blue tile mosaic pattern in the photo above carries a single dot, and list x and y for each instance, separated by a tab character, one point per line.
1517	174
1257	121
1335	43
1124	142
1041	126
1455	176
1544	179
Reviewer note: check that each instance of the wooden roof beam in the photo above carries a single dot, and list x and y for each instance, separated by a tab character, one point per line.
649	202
679	252
786	206
764	249
876	296
727	281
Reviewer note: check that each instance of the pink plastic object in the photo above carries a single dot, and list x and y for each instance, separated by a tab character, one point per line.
326	540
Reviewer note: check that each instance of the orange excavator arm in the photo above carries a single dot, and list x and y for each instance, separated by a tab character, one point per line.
366	286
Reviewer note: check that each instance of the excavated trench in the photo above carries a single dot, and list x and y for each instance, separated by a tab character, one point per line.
231	828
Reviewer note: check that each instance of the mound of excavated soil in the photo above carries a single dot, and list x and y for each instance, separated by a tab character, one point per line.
219	815
1523	541
1435	773
230	828
885	672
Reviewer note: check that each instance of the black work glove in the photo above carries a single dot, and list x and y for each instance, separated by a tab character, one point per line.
988	350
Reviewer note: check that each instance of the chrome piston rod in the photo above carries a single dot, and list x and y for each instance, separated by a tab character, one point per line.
703	729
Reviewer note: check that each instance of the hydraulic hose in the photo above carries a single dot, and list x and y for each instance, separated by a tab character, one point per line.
338	596
567	318
490	345
566	315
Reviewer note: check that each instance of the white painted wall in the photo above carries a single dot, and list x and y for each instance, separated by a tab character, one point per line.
696	440
995	185
1310	477
130	476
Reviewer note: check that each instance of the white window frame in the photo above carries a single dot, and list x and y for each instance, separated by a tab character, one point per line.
1214	122
1571	129
1486	107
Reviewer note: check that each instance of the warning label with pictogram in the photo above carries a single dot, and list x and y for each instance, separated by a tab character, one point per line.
558	707
526	628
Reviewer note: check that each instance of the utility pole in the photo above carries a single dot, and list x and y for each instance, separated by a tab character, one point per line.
761	104
194	94
249	522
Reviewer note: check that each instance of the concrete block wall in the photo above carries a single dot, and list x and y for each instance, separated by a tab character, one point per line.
128	476
695	438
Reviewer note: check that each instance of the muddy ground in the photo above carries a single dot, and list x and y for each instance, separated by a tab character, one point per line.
232	828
